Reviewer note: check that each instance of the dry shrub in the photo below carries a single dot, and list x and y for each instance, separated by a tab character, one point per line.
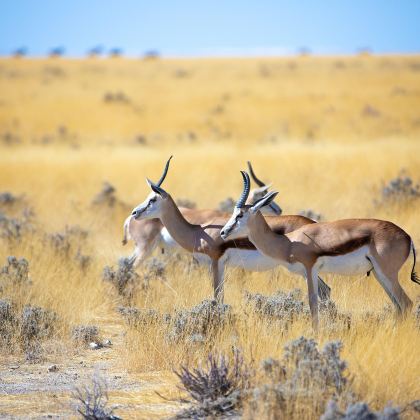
196	324
85	334
124	279
92	400
12	228
359	411
286	307
301	383
216	389
399	189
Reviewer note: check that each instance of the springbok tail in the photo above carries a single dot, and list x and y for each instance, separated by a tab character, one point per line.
414	276
126	233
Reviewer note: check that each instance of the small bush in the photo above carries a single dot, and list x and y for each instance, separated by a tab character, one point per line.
300	384
359	411
16	272
283	306
227	205
8	321
136	317
11	228
85	334
107	196
184	202
217	389
37	323
92	400
311	214
401	188
205	318
8	199
124	278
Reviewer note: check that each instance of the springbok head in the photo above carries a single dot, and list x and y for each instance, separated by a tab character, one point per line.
258	193
237	225
151	208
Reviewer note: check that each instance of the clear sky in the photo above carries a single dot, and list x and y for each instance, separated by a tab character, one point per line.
225	27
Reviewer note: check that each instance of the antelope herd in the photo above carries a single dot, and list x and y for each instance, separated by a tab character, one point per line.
257	238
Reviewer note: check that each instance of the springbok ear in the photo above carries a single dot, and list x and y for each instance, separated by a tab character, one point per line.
264	189
156	189
265	201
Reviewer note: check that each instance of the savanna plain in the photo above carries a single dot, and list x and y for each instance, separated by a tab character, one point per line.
338	137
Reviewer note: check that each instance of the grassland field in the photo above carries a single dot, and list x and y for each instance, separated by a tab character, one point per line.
327	132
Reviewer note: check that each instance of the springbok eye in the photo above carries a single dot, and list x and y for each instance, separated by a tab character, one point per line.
239	215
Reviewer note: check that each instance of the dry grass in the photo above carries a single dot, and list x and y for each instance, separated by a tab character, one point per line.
326	131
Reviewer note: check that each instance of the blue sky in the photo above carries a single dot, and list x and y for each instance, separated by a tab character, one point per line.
229	27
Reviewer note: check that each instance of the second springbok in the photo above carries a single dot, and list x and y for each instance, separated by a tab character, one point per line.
204	240
348	247
149	234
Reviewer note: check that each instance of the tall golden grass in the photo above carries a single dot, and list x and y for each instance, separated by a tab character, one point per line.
327	132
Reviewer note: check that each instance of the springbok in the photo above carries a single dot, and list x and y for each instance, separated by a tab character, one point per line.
204	240
148	234
348	247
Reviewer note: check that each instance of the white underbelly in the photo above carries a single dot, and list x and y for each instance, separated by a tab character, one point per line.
248	259
349	264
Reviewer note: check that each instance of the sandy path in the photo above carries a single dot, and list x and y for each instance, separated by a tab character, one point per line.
31	391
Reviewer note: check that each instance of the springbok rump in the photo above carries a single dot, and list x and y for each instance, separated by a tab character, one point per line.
203	239
347	247
149	234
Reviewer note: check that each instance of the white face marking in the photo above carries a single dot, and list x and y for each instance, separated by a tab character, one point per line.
150	208
237	225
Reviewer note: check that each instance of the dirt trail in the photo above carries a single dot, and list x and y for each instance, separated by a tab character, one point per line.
31	388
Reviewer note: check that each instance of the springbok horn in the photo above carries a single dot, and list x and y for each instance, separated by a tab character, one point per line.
245	192
254	177
165	171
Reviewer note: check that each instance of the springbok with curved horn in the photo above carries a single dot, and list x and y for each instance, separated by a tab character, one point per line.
349	247
204	240
148	234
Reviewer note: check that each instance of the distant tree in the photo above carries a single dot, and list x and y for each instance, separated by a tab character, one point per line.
304	51
95	51
364	51
115	52
57	51
20	52
151	55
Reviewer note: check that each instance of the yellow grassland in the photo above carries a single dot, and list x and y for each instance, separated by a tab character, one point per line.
326	131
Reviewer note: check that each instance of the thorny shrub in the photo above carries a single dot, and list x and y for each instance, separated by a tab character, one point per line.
69	244
85	334
227	205
12	228
286	307
124	278
300	384
184	202
400	188
311	214
36	324
92	400
197	323
359	411
127	281
216	389
107	197
8	199
16	272
193	325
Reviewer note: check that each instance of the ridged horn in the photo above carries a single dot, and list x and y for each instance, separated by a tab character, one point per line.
254	177
244	196
165	171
